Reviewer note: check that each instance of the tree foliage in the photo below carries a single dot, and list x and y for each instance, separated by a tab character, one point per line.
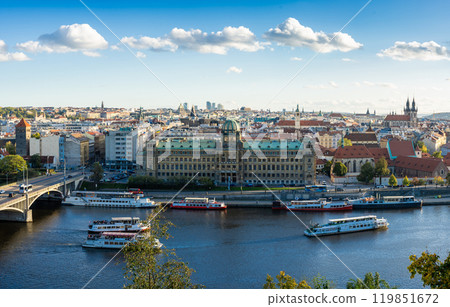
12	164
285	281
346	142
36	135
392	180
97	172
35	161
10	148
148	267
381	168
370	282
327	168
321	282
438	154
435	273
339	169
367	173
406	182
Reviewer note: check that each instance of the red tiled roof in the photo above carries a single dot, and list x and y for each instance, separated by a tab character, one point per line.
349	152
379	152
401	148
362	137
397	118
419	164
23	123
304	123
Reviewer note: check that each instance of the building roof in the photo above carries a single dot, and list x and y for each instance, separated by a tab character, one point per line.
304	123
362	137
397	118
230	126
379	152
23	123
349	152
419	164
274	144
400	148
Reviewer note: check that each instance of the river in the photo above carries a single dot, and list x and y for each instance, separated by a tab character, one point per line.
235	248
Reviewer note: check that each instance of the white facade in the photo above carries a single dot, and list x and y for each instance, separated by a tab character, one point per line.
46	146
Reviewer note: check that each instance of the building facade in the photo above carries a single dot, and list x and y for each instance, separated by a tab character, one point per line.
23	135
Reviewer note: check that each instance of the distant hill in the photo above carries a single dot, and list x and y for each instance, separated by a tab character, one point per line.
437	116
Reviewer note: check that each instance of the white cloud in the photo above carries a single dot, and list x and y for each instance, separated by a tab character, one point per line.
239	38
427	51
92	54
331	84
296	58
68	38
6	56
234	69
378	84
292	33
347	60
141	55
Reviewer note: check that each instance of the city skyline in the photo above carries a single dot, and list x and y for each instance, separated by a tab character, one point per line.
235	54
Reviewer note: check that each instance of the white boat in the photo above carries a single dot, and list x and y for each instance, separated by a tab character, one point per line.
320	204
386	202
118	224
198	203
347	225
114	239
108	199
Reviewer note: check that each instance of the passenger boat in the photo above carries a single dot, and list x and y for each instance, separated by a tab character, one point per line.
114	239
386	202
320	204
118	224
278	205
109	200
198	203
347	225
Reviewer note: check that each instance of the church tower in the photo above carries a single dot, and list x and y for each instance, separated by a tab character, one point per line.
297	122
411	112
23	135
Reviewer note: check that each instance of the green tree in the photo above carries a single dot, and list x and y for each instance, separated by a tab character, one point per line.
381	168
367	172
36	135
339	169
435	273
97	172
448	179
438	154
285	281
346	141
148	267
12	164
370	282
392	180
10	148
321	282
423	149
35	161
327	168
406	181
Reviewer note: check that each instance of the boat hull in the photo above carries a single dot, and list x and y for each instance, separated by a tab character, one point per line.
309	234
197	207
346	208
406	205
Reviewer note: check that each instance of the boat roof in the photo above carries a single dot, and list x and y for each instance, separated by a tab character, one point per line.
196	198
118	234
106	193
123	218
408	196
354	218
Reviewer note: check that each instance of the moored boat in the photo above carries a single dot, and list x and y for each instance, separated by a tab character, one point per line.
320	204
386	202
115	240
347	225
118	224
198	203
109	200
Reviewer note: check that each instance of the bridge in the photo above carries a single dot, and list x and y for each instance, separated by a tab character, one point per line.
18	208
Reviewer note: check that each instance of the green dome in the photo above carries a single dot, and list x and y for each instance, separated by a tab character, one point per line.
230	126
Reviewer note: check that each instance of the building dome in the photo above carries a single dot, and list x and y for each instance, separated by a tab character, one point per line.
230	126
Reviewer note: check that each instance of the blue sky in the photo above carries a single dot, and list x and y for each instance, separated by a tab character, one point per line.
231	52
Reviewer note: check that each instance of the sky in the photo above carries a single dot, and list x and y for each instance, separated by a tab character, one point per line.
341	56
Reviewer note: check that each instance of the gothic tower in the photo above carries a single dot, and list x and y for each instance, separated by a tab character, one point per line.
23	135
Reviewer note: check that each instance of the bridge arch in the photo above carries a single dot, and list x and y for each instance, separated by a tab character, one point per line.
38	196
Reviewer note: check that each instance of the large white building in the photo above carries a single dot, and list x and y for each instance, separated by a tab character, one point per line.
46	146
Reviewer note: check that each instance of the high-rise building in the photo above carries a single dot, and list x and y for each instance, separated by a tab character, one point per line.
186	106
23	135
208	105
220	106
213	106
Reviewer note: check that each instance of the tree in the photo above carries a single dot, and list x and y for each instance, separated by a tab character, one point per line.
438	180
148	267
285	282
438	154
36	135
327	168
406	181
392	180
97	172
381	168
423	149
435	273
448	179
12	164
347	142
35	161
321	282
339	169
369	282
367	172
10	148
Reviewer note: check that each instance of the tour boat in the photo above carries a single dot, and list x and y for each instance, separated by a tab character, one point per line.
320	204
109	200
347	225
114	239
118	224
386	202
198	203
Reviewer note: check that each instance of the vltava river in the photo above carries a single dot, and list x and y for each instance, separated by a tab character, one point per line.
230	249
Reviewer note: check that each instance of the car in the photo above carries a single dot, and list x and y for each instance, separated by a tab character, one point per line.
380	186
2	192
70	176
324	182
339	189
11	195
